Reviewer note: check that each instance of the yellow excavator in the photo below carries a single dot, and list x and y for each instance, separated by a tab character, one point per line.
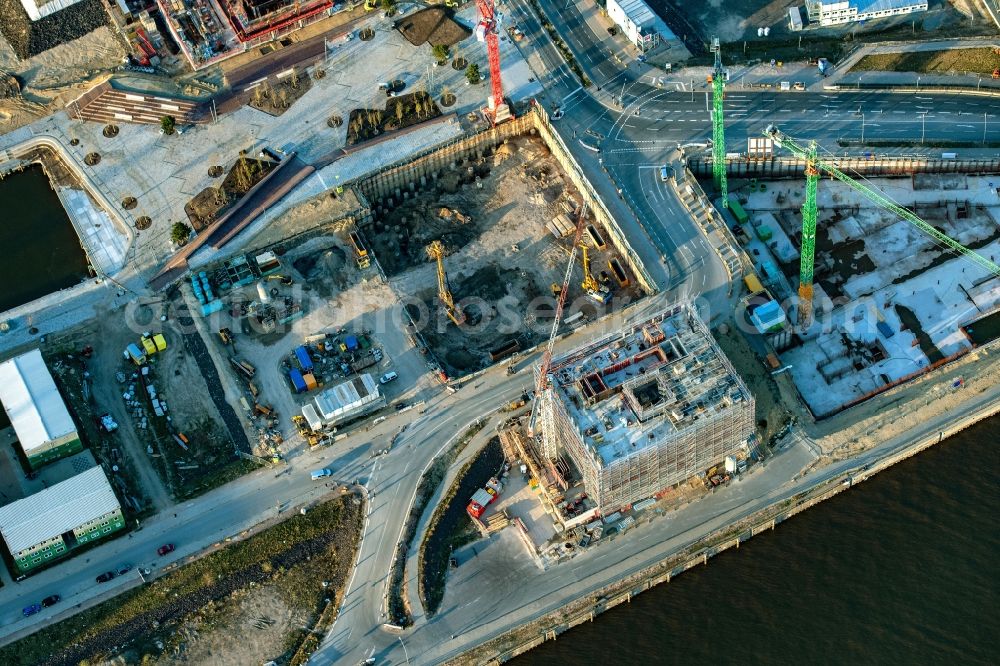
436	252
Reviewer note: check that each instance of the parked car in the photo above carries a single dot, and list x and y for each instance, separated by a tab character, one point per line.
318	474
165	548
50	600
388	377
106	576
31	610
123	569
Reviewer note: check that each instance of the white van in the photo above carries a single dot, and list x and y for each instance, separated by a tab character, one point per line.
665	173
318	474
388	377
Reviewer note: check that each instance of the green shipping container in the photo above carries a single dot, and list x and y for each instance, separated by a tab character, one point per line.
737	210
764	232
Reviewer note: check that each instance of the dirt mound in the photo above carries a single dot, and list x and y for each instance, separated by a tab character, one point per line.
29	38
428	26
9	87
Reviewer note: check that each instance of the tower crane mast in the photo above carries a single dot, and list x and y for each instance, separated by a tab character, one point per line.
814	166
718	125
543	370
488	31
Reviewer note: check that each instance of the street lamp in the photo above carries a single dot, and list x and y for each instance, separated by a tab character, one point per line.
862	127
984	128
918	83
923	123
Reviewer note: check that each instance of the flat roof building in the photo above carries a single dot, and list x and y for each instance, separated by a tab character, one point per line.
346	401
645	408
47	525
833	12
640	23
44	428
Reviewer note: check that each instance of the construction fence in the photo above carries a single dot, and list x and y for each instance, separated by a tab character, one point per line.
786	167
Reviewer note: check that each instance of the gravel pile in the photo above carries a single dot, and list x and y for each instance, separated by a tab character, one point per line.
29	38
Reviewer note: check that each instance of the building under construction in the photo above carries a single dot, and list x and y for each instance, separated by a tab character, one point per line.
643	409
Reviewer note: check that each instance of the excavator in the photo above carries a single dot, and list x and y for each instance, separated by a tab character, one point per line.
436	252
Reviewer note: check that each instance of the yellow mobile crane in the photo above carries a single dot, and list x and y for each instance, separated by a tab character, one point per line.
436	252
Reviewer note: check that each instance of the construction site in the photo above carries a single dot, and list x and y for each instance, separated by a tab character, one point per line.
644	409
479	258
891	301
864	281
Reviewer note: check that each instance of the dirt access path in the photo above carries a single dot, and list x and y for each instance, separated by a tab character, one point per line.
108	342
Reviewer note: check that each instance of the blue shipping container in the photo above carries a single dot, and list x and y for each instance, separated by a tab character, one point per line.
297	381
351	342
302	354
884	329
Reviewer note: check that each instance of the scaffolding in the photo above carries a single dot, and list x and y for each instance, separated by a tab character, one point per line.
646	408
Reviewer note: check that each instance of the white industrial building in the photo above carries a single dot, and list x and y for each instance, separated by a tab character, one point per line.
349	400
50	523
43	426
640	23
38	9
833	12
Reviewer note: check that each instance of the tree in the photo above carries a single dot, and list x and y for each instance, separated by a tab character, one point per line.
472	73
180	233
440	52
388	6
167	124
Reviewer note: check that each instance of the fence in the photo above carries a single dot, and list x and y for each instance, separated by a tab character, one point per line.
783	167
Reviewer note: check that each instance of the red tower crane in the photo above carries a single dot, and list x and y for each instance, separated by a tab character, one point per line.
488	31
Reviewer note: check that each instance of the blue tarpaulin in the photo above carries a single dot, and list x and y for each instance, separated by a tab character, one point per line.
302	354
297	381
351	342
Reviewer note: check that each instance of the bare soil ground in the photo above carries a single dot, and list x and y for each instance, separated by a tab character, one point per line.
400	112
500	264
212	202
433	25
49	80
244	604
977	61
276	99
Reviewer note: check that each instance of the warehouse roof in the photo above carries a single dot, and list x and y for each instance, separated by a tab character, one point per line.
345	398
32	401
867	6
57	509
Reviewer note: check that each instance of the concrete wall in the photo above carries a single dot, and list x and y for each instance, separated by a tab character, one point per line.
782	167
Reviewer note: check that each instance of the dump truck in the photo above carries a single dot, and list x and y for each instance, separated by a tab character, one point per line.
243	367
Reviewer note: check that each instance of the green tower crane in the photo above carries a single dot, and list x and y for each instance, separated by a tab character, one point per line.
813	167
808	251
718	128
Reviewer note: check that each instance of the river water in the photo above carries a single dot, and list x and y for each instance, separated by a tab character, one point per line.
42	253
902	569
